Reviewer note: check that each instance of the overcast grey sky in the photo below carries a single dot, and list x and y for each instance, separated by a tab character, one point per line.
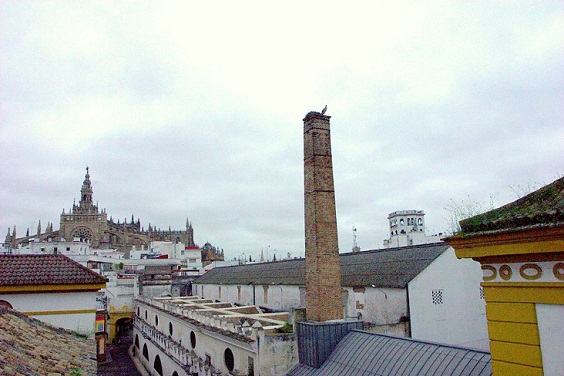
194	109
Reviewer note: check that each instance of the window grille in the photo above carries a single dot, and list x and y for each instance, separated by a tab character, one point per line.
482	293
437	296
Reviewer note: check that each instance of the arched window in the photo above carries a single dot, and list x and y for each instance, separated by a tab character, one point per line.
6	304
156	320
175	373
145	314
137	340
158	366
170	328
138	312
145	352
193	339
229	359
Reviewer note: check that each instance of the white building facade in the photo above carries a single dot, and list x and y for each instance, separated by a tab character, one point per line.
51	288
191	336
447	294
393	291
407	227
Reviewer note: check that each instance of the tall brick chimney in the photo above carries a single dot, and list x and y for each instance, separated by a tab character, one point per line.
323	272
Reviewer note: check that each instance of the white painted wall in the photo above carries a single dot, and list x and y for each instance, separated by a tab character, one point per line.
278	297
75	247
207	342
461	318
550	319
169	366
383	307
462	311
120	297
378	306
176	251
48	302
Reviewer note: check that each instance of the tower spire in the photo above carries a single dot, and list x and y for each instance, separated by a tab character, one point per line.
86	191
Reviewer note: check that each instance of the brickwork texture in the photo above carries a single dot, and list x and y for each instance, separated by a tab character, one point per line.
323	275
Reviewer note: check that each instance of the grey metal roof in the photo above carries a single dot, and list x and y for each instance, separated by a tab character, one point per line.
393	267
369	354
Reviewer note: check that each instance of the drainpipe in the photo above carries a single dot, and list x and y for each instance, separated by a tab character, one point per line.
408	310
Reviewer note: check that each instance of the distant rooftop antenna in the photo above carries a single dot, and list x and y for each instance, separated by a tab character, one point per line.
355	248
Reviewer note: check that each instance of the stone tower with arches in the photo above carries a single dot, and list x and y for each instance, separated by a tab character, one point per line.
85	220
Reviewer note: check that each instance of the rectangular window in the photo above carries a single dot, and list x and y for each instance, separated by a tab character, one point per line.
208	359
238	293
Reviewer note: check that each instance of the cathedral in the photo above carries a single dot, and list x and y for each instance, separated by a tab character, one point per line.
85	221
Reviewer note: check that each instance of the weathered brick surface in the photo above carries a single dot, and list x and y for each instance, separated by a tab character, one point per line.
323	276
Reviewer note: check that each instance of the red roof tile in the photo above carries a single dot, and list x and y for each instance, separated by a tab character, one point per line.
21	270
31	347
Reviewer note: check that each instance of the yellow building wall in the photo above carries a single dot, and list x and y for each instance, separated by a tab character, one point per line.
513	327
521	270
115	315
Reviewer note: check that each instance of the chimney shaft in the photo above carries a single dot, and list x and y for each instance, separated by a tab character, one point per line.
323	273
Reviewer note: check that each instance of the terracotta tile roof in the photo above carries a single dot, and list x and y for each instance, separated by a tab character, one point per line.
31	347
543	207
21	270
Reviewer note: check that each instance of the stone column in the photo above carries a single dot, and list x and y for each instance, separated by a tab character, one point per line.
323	272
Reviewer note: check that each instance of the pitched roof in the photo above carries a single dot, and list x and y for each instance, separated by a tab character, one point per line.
22	270
31	347
394	267
543	207
365	353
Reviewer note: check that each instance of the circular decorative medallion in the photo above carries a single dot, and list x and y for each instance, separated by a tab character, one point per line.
505	272
530	271
489	272
558	270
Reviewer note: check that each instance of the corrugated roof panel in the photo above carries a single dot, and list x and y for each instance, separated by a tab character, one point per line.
365	353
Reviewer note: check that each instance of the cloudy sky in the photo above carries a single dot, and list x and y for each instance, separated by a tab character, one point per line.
194	109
